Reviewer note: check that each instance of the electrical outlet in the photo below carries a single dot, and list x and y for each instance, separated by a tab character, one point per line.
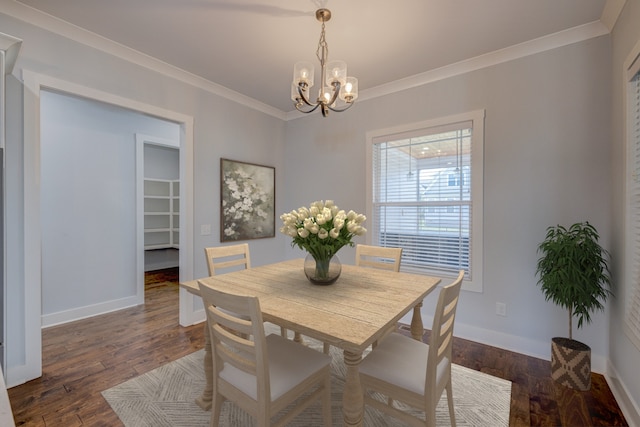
205	229
501	309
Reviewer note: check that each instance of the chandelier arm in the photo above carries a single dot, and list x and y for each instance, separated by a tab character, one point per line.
334	96
339	110
299	108
304	97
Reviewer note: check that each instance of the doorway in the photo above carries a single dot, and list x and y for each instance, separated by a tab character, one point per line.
89	171
158	203
27	347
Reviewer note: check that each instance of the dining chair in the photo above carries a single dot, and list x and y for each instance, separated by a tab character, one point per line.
380	257
410	371
230	258
227	258
376	257
263	375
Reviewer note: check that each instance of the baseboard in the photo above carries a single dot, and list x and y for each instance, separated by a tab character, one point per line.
517	344
6	415
199	316
160	265
79	313
630	409
20	374
191	309
160	259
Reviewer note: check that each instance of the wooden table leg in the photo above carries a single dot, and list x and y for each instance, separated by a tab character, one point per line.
417	328
352	399
204	401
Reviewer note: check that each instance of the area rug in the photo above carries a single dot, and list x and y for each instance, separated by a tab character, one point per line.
165	397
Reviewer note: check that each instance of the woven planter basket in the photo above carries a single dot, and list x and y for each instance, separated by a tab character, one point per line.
571	363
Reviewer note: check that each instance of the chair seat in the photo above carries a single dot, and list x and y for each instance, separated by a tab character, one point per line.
410	371
289	363
400	361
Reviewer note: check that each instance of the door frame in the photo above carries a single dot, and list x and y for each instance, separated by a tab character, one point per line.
141	141
34	83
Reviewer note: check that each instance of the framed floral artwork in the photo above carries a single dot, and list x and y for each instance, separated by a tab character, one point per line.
247	201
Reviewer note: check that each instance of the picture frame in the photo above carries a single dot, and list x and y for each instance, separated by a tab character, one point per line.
247	200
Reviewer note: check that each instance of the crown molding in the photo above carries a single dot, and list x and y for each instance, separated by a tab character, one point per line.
80	35
10	46
612	10
611	13
531	47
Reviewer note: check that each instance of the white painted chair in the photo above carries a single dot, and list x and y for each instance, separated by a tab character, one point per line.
229	258
411	371
376	257
262	375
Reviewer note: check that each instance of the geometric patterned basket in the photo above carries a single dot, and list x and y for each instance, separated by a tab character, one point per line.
571	363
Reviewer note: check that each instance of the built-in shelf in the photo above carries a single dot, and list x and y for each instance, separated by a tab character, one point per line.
161	213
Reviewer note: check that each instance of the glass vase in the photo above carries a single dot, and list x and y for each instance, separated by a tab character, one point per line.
322	271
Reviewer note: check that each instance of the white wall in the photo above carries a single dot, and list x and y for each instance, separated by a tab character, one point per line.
161	162
224	129
547	161
88	191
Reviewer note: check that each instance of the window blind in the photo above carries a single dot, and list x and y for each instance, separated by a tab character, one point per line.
422	199
632	316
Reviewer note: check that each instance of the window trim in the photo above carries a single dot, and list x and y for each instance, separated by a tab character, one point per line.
630	68
477	180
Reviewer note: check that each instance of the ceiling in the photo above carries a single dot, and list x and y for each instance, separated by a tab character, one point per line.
250	46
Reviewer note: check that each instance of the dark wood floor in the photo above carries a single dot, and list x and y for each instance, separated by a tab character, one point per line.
83	358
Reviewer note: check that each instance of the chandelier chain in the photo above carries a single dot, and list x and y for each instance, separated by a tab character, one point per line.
323	48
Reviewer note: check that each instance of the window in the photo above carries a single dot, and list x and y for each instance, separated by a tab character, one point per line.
632	276
425	189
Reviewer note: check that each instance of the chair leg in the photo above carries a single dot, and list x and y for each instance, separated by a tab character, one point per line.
452	415
326	403
216	408
297	337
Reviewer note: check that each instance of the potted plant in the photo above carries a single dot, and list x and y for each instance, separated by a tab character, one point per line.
573	273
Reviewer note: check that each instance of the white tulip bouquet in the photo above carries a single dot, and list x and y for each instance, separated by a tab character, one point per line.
322	229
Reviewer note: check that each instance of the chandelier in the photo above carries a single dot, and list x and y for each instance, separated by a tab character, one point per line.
334	82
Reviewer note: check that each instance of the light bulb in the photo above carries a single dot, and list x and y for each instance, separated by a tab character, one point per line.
349	92
336	72
303	73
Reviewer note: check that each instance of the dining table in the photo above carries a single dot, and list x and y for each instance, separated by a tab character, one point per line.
351	314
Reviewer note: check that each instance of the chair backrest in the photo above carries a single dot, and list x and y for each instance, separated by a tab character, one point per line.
378	257
227	257
441	340
237	334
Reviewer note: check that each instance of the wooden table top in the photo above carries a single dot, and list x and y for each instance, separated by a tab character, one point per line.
350	314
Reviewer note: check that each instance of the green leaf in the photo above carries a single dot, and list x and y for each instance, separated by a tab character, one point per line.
573	270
